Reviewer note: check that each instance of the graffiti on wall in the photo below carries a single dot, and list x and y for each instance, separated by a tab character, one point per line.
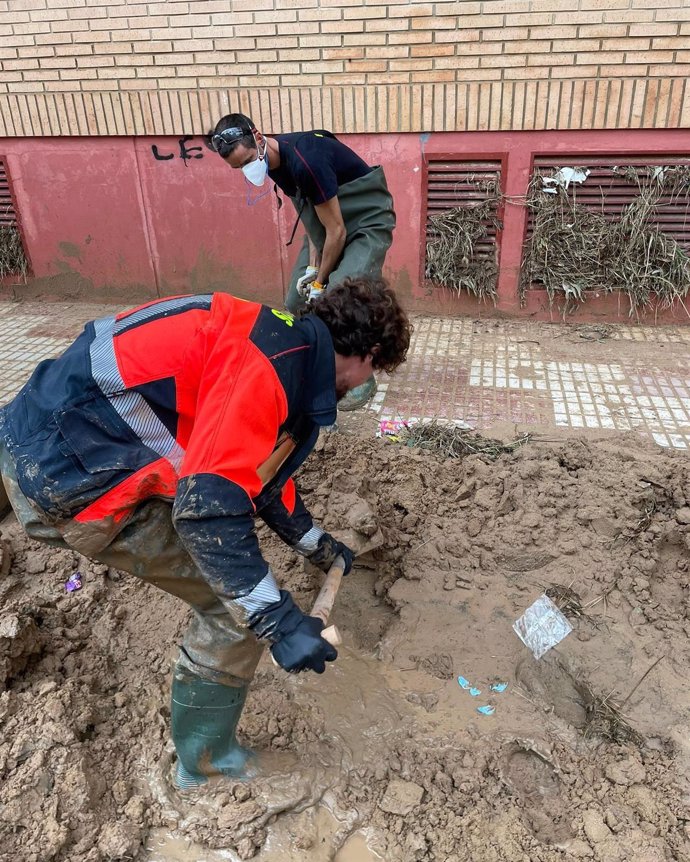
186	153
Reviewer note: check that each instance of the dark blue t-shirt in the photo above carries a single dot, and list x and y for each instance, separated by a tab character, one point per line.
313	165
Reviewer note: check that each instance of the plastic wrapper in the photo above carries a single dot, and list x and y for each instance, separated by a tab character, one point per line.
542	626
392	429
73	582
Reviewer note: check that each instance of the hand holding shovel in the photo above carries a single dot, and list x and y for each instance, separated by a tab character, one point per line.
326	599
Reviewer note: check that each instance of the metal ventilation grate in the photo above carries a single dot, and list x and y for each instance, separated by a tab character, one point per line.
607	192
13	258
452	183
7	214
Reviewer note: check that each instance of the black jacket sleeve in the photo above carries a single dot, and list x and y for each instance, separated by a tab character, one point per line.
214	518
289	525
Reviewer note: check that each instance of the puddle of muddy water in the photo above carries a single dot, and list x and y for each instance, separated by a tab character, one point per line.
357	701
162	846
360	707
356	849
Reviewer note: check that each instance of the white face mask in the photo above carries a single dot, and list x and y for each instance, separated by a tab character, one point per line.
257	170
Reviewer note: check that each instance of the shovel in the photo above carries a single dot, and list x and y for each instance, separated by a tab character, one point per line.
327	595
325	600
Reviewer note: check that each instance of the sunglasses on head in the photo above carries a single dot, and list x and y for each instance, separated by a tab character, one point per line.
229	136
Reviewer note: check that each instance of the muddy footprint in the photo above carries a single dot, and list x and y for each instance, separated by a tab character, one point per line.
553	685
538	788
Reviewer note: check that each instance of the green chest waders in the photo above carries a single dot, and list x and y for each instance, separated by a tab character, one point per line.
367	208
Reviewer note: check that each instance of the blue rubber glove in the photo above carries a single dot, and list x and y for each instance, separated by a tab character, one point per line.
327	550
295	637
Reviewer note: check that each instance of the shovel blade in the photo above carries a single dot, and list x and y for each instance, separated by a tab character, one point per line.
360	543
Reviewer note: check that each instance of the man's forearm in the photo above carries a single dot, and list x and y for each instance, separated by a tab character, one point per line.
213	518
314	255
291	526
332	249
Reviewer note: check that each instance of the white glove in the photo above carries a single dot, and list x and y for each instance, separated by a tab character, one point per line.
303	283
314	291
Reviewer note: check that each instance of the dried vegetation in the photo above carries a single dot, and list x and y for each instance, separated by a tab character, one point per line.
573	250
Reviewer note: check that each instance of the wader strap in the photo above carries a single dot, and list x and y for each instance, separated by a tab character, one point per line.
294	228
278	197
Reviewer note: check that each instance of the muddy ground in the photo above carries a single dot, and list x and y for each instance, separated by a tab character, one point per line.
385	756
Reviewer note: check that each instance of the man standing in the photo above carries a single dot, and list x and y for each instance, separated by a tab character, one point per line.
152	443
343	203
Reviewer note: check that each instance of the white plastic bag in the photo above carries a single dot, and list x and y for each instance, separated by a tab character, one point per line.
542	626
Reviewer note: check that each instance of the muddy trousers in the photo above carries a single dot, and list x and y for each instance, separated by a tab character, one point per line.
214	647
217	656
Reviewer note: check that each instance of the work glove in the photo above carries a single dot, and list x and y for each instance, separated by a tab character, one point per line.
295	637
315	291
303	283
327	549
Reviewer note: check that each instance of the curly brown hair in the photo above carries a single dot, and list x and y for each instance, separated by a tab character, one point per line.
364	316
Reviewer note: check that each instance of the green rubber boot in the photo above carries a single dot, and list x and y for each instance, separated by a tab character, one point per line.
204	717
358	396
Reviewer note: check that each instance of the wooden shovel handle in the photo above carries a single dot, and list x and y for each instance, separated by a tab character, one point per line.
332	635
326	598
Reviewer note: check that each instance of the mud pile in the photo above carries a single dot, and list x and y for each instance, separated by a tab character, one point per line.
385	756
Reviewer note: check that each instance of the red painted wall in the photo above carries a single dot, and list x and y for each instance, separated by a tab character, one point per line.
79	205
106	218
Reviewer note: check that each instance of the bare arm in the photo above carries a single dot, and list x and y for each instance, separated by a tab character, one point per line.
331	218
314	254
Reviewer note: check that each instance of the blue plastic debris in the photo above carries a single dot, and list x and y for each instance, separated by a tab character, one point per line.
464	683
73	582
486	710
475	692
498	687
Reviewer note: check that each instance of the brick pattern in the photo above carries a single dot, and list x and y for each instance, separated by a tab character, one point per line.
90	67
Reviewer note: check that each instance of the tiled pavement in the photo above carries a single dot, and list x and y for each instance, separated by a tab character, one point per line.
477	372
31	332
485	372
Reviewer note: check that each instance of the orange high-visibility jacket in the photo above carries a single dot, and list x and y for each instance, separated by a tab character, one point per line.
208	401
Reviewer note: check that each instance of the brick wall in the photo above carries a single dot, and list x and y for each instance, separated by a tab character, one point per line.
88	67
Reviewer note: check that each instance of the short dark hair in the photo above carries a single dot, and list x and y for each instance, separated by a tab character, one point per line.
364	316
230	131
